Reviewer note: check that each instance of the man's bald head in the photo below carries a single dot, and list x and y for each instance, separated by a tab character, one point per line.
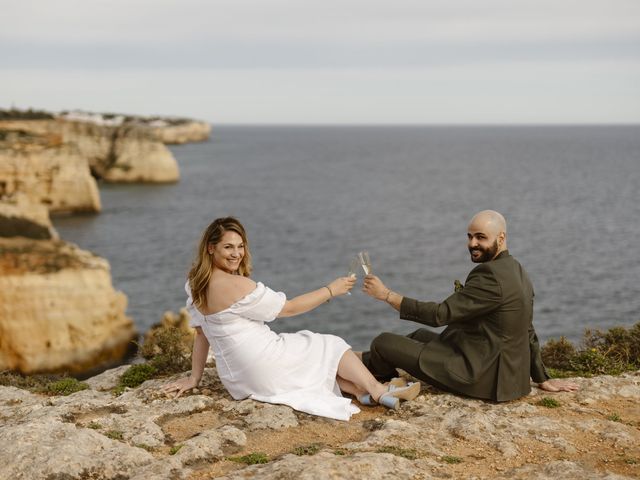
487	234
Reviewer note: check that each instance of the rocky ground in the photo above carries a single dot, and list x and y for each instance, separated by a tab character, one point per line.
141	434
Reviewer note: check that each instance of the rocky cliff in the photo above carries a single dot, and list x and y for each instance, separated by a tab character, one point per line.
20	216
47	171
163	129
185	132
141	434
58	309
114	153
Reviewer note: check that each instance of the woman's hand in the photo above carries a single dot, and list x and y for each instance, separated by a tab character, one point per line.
180	386
558	385
374	287
342	285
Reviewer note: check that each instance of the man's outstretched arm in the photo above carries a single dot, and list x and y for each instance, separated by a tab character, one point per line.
539	372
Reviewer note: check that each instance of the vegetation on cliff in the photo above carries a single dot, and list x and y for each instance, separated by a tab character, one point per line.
600	353
30	114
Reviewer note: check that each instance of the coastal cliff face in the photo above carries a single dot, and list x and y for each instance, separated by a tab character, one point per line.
47	172
20	217
591	434
182	133
58	309
114	153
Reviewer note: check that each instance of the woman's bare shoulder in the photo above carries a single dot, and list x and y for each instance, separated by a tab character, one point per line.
231	288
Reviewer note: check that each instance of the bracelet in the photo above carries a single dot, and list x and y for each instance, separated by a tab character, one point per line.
386	299
330	292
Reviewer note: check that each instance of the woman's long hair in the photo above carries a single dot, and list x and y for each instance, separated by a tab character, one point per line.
202	267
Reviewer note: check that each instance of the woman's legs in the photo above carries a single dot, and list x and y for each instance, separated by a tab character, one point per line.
356	379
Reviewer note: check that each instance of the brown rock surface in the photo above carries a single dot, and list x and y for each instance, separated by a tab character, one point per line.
20	217
58	309
593	433
47	172
186	132
115	153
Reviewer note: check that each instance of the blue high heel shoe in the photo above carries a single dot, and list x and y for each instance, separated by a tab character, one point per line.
391	398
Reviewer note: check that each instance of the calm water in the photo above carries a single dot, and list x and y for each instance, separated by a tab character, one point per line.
311	197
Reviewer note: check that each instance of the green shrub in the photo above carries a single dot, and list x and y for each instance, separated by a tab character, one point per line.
548	402
175	449
602	353
407	453
115	434
137	374
66	386
614	417
251	459
168	349
307	449
595	362
451	459
33	383
558	353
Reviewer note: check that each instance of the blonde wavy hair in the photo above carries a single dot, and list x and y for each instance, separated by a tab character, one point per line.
202	267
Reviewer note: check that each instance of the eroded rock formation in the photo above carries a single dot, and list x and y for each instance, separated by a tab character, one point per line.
114	153
58	308
47	171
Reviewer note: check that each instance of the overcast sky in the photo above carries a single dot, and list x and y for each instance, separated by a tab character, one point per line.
330	61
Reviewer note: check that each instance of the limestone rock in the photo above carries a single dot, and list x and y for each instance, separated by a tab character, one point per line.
124	153
209	445
21	217
191	131
257	415
108	379
92	434
563	469
58	308
47	171
43	450
326	466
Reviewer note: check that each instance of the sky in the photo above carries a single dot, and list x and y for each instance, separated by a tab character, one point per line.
327	62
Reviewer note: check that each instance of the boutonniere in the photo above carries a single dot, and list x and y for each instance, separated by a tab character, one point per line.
457	286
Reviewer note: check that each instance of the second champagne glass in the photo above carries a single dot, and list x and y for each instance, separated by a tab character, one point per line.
365	261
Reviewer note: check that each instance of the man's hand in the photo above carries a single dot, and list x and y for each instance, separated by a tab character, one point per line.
374	287
558	385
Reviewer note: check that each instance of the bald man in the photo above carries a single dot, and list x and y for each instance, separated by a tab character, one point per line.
489	349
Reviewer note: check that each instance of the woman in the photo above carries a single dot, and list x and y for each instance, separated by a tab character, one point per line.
304	370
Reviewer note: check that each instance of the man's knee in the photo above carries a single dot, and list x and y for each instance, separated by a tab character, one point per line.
423	335
383	340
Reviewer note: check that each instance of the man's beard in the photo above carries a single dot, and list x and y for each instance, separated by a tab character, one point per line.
486	253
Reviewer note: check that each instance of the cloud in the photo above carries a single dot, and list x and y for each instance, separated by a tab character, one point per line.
306	61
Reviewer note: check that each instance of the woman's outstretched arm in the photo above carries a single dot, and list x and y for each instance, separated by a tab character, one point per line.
198	361
308	301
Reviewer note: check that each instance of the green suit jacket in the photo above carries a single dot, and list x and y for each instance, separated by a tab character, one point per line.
489	349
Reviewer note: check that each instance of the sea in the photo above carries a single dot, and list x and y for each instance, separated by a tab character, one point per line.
312	197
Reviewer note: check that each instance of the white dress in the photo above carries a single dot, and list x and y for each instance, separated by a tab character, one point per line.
295	369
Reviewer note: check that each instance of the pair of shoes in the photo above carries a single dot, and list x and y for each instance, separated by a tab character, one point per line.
391	398
407	392
368	401
398	382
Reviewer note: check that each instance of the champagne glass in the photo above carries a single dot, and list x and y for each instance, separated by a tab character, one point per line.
353	267
365	261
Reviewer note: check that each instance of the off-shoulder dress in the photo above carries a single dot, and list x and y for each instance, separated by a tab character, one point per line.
295	369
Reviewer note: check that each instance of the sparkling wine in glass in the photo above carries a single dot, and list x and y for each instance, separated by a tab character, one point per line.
365	262
353	267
